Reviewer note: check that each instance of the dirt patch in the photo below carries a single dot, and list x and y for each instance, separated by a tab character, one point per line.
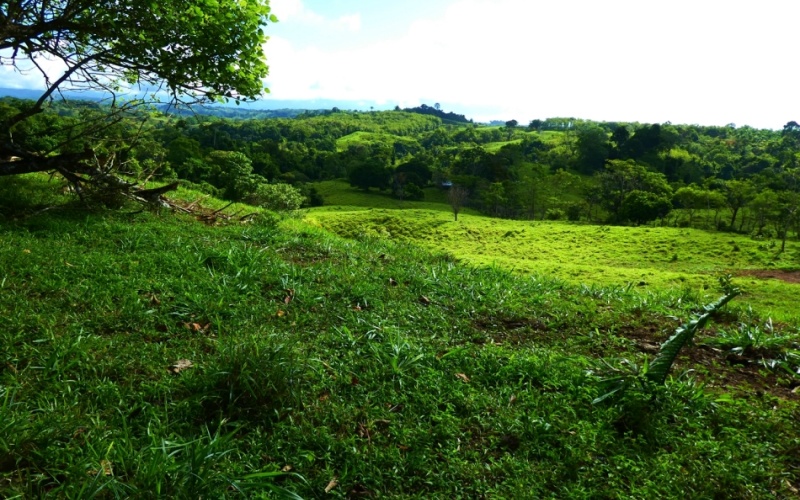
744	374
777	274
723	370
515	331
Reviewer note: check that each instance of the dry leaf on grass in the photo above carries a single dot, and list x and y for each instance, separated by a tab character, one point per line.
424	300
286	468
108	468
331	485
197	327
463	377
180	365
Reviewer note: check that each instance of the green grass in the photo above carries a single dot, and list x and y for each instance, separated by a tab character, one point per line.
494	147
339	195
647	257
393	370
548	136
363	137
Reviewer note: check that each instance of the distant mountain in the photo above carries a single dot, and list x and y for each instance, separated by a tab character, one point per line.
21	93
36	94
278	105
263	108
238	112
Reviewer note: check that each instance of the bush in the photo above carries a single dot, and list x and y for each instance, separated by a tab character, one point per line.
574	211
278	197
313	198
413	192
554	214
640	207
203	187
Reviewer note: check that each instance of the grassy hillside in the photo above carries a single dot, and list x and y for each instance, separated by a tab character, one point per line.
648	257
150	355
339	195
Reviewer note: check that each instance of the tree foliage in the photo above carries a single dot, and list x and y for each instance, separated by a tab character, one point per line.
624	177
200	47
279	197
194	50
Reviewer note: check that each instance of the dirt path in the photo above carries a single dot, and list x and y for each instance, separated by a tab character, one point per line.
787	276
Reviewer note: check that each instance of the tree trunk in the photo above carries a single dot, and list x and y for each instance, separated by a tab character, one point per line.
733	219
71	162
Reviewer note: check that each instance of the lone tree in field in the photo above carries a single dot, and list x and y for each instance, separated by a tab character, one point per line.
193	50
457	196
510	126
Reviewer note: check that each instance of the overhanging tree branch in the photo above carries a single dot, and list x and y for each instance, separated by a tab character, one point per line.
37	107
201	50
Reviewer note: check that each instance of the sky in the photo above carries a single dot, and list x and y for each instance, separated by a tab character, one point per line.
701	61
710	62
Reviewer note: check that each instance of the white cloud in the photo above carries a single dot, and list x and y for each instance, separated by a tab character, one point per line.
295	12
684	61
679	60
24	74
286	9
350	22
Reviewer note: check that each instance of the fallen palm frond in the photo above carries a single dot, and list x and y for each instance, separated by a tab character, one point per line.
657	371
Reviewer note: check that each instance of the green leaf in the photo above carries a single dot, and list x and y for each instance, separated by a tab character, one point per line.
660	368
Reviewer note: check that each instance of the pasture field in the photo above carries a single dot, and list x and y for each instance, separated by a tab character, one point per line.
147	354
653	258
340	196
361	137
494	147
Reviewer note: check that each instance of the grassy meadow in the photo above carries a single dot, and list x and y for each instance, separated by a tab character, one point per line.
339	195
147	355
654	258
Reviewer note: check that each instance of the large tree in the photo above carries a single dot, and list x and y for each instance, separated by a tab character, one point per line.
593	149
191	50
623	177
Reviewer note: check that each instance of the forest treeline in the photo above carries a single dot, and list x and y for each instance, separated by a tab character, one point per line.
740	178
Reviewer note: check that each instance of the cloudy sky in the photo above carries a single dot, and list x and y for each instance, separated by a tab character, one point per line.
698	61
711	62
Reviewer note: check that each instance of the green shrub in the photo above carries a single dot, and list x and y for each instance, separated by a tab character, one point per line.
574	211
279	197
413	192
